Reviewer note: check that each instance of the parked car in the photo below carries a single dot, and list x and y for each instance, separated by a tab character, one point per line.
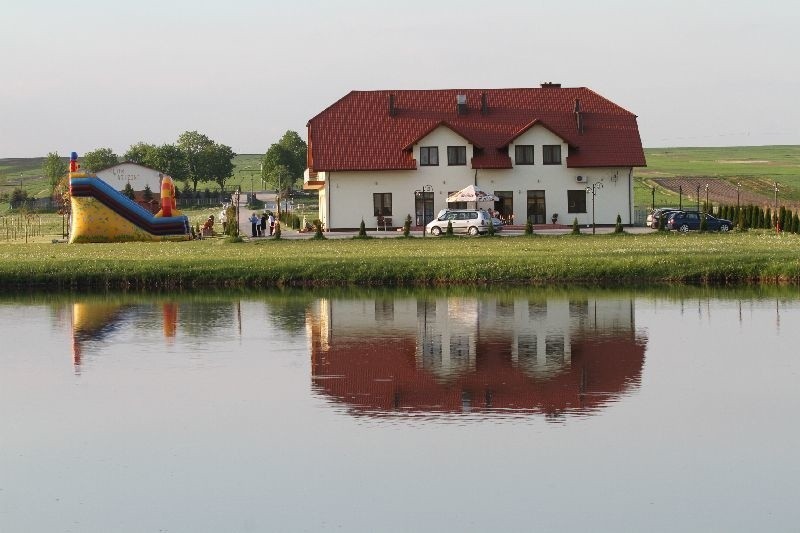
684	221
654	217
472	221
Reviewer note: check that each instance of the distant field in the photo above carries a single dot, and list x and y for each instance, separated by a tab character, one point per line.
757	168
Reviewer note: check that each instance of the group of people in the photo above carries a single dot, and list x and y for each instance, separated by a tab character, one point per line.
259	225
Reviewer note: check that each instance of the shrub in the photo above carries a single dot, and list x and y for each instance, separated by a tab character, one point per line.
576	230
528	227
407	226
362	229
318	229
703	223
449	231
277	232
795	223
128	191
490	228
618	226
148	193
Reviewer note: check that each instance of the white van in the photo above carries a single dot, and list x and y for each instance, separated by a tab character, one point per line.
472	221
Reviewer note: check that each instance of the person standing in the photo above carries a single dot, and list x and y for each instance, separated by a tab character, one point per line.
263	224
271	224
254	222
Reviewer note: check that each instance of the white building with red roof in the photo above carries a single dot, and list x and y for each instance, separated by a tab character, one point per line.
395	153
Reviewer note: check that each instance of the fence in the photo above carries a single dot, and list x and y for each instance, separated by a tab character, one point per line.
201	199
24	226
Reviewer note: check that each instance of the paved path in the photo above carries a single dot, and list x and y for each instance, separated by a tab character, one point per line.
269	198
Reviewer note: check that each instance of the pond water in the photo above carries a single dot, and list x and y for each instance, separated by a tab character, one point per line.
507	410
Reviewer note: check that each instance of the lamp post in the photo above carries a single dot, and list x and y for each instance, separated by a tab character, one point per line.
592	189
777	218
680	197
738	188
419	194
653	202
706	207
698	198
236	196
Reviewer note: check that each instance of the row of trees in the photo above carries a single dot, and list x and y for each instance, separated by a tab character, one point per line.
195	159
753	216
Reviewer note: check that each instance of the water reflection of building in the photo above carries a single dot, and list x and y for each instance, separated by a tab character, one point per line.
551	356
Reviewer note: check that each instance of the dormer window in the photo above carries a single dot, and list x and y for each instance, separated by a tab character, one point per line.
429	156
523	154
456	155
551	154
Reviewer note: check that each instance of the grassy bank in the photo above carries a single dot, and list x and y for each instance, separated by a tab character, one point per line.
606	259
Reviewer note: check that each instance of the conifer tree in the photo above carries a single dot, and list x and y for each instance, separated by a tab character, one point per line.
575	229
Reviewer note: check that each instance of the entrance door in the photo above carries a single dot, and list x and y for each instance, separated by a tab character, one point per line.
423	207
537	211
504	205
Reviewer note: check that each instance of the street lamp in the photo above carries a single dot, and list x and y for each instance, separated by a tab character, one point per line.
698	198
706	208
653	191
777	218
680	197
419	194
738	188
593	190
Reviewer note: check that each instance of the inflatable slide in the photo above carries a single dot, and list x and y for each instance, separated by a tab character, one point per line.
100	213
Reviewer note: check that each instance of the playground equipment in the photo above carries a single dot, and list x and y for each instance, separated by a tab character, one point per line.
100	213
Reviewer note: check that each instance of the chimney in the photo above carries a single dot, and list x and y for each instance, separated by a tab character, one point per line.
461	104
551	85
578	116
484	107
392	110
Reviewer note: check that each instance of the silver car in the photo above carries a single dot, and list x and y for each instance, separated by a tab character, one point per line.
472	221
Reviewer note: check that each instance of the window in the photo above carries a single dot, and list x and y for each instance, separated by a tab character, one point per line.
576	201
382	202
429	156
524	154
551	154
456	155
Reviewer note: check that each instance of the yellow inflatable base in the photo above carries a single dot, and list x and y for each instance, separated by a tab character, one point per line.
92	221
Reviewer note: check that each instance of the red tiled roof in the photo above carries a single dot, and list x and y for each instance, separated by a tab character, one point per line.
358	133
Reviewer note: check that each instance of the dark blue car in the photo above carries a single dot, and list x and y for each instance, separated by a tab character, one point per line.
684	221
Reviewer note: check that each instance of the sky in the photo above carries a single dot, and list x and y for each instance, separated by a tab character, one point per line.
82	75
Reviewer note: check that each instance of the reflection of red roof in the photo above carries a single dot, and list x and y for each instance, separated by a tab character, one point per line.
378	377
358	133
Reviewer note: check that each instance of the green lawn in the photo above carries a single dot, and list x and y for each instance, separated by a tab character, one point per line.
602	259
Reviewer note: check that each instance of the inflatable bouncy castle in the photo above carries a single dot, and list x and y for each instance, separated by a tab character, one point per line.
100	213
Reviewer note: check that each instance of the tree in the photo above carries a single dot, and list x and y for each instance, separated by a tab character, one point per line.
289	152
618	226
99	159
54	169
141	153
220	164
195	148
128	191
148	193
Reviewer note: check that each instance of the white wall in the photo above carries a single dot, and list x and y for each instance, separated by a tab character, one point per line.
347	196
138	176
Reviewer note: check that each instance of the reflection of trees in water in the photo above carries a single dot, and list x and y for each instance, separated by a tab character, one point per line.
202	319
288	314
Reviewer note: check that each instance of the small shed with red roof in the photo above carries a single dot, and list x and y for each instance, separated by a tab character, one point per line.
392	153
